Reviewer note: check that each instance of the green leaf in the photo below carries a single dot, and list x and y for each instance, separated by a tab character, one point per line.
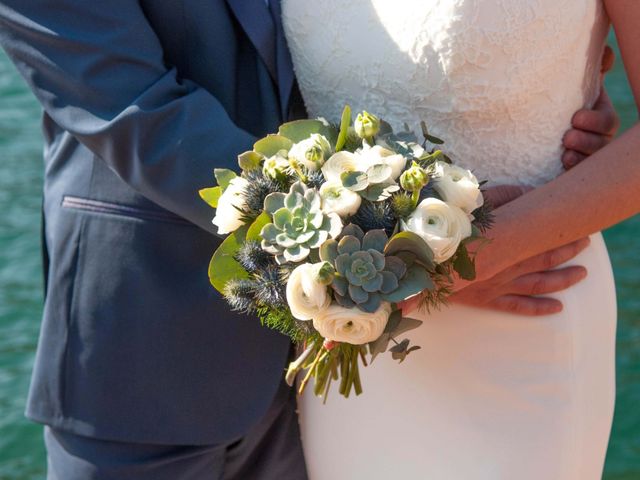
415	281
435	140
463	264
379	346
223	266
412	243
224	177
345	123
378	173
354	181
211	195
272	144
402	349
256	227
249	160
379	191
428	136
394	320
299	130
404	325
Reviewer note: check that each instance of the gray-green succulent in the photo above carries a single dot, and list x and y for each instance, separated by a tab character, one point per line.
298	224
365	276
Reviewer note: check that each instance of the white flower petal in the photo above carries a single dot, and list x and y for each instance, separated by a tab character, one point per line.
351	325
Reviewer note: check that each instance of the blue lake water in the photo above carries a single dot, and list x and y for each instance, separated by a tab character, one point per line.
22	455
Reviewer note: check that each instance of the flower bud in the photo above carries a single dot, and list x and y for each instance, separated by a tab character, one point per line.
367	125
414	178
310	153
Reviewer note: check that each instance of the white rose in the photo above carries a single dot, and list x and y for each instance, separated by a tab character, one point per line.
458	186
376	155
338	199
442	226
351	325
306	295
230	206
312	152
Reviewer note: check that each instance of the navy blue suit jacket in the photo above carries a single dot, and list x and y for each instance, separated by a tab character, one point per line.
142	99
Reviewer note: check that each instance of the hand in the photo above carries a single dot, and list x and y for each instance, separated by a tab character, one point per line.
501	194
592	129
516	289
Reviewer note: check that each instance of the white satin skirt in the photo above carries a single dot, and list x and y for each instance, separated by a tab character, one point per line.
490	396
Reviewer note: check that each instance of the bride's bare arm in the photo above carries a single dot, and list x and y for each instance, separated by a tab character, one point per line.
601	191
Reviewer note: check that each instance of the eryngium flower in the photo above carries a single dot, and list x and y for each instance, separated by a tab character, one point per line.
252	257
299	224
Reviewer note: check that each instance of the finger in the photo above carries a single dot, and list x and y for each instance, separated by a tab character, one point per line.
608	59
541	283
601	119
586	143
547	260
523	305
502	194
571	158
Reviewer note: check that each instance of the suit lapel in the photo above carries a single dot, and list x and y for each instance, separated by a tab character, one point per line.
283	60
256	21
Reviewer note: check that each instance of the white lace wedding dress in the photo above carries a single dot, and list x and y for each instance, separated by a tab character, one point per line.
490	396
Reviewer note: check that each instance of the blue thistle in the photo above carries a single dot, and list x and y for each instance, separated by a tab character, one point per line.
252	257
375	216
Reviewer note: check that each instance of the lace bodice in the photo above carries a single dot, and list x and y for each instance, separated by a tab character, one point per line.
499	80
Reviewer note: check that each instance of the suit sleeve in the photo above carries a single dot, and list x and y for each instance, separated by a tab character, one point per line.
97	68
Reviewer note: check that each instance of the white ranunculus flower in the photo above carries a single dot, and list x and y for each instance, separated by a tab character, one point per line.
230	206
377	154
458	186
312	152
351	325
441	225
338	164
306	295
338	199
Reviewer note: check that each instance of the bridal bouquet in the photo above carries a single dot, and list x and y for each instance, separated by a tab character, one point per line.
330	227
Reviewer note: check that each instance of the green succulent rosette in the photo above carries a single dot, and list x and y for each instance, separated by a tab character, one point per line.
298	224
365	275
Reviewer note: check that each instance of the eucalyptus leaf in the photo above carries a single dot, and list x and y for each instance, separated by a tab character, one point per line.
416	280
404	325
463	264
379	346
378	173
211	195
256	227
345	123
394	320
300	130
402	350
378	192
354	181
249	160
223	266
272	144
224	177
411	242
